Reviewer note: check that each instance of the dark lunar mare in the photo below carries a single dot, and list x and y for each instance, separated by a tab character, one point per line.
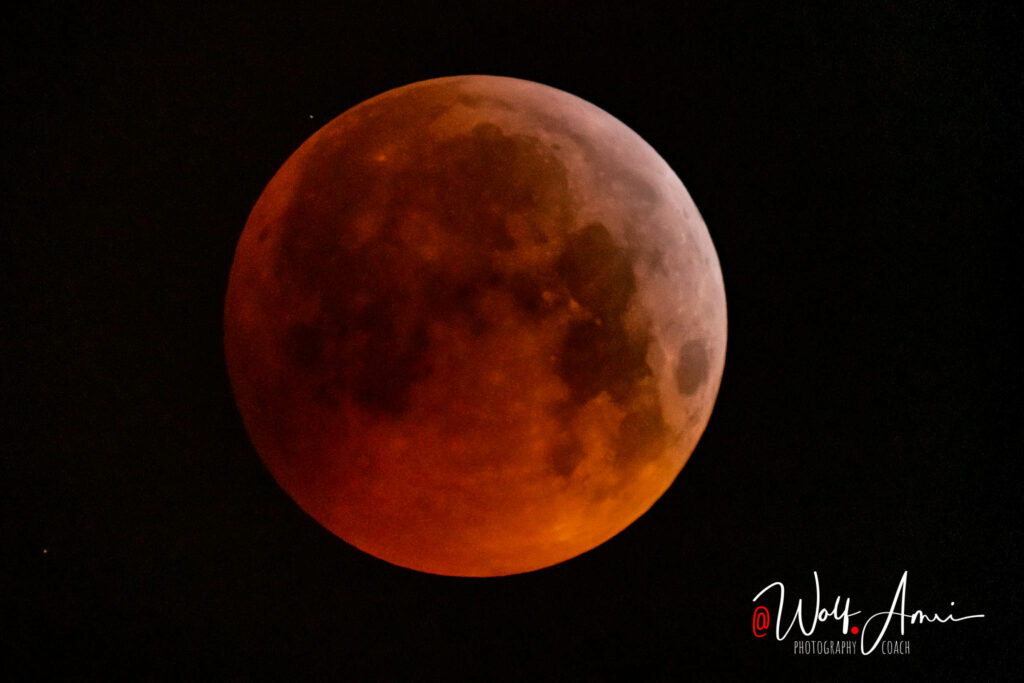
370	339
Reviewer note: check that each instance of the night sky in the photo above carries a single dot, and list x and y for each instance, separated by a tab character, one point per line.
860	173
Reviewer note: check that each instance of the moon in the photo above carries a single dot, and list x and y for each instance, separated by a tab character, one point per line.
475	326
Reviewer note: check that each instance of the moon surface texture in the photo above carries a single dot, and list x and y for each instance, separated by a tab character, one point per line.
475	326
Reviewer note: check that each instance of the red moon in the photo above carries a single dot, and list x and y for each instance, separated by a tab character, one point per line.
475	326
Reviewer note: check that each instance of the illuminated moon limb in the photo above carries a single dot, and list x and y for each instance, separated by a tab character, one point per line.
475	326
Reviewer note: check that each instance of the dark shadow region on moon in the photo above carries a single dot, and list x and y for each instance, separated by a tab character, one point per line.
369	340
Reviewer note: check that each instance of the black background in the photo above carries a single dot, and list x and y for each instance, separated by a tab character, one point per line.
859	171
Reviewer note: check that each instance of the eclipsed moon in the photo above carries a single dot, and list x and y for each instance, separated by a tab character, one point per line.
475	326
